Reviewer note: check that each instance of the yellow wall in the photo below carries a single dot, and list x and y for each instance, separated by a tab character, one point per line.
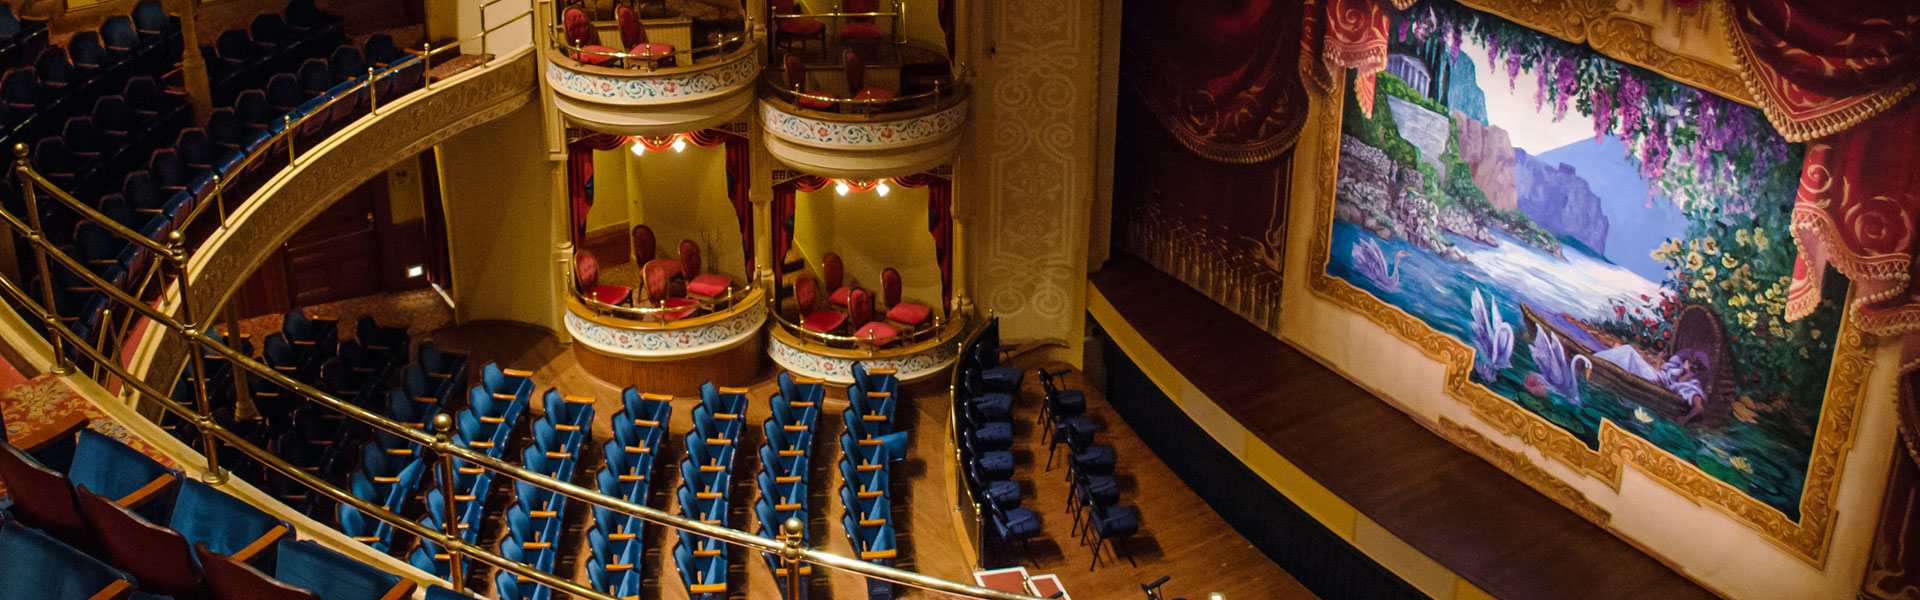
505	221
683	195
870	233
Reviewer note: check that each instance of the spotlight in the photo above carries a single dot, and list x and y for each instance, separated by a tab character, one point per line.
639	149
841	188
680	145
881	188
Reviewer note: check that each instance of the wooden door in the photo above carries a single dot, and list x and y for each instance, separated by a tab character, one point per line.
338	255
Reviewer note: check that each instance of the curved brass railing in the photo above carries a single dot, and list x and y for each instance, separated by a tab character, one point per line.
647	62
172	257
652	313
963	485
934	327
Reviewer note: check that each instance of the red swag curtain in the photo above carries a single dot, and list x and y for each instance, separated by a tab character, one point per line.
1218	74
1840	76
580	171
940	224
783	208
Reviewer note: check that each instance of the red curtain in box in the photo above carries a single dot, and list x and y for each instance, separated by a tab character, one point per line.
940	224
580	172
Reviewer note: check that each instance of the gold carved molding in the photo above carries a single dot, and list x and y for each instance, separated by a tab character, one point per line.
1806	538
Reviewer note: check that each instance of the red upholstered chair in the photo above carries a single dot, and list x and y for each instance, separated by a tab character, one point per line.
229	579
634	38
860	310
797	81
160	558
659	275
806	297
586	272
705	286
906	315
644	246
833	275
797	31
861	32
43	498
857	80
581	34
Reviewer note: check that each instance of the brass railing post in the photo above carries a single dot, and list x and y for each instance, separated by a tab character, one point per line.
243	406
792	532
190	327
49	311
219	201
450	514
293	157
426	65
373	103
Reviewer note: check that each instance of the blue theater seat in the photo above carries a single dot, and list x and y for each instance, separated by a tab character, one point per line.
119	472
647	411
868	484
704	576
725	403
38	567
225	525
334	576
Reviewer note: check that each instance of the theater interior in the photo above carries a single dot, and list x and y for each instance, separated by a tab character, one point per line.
979	299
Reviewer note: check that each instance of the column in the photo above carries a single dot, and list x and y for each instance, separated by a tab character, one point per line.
760	192
193	67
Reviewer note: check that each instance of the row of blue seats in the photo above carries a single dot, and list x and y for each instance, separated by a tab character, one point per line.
869	446
494	408
153	530
984	413
785	461
1094	495
617	540
706	476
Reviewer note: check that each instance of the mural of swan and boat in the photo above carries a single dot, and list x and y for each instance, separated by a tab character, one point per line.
1695	387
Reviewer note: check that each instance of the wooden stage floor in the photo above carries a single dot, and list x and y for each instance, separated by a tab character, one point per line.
1482	524
1180	535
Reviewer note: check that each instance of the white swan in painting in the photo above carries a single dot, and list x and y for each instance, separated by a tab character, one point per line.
1372	263
1492	339
1557	373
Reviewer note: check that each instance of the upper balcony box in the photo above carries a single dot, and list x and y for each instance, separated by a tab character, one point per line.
855	107
667	69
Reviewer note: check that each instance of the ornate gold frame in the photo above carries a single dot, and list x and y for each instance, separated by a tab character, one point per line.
1595	23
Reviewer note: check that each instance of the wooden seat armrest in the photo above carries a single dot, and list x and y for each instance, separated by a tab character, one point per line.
516	373
576	399
537	545
878	554
707	495
790	453
620	537
566	428
804	570
118	589
147	492
712	469
630	478
879	394
260	545
869	442
868	467
794	427
303	342
401	590
638	449
732	390
881	371
440	375
787	507
800	404
400	451
803	380
63	428
645	423
726	416
880	418
366	539
619	567
425	400
660	397
543	514
500	396
706	553
386	480
478	444
493	420
872	522
708	588
865	495
787	479
561	455
718	441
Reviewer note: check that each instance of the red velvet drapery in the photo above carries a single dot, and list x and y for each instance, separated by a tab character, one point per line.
580	172
783	207
946	24
1841	76
1345	34
1219	74
940	224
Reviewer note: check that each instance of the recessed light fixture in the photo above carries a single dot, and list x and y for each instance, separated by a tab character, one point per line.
842	188
416	271
882	188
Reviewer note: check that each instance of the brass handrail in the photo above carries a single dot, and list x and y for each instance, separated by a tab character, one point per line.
202	346
558	37
718	303
873	343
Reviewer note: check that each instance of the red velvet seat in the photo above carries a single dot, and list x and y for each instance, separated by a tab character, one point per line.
688	306
861	32
874	94
905	314
860	310
709	285
801	27
857	79
596	55
833	276
580	34
659	275
796	31
805	297
879	333
586	272
643	244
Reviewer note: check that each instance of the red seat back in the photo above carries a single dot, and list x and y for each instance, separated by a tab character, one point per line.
860	6
579	29
856	72
782	7
657	278
228	579
859	307
631	33
831	272
643	244
689	259
42	498
806	294
796	73
160	558
889	287
586	270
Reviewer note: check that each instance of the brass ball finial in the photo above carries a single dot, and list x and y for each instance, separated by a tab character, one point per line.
20	150
442	423
793	527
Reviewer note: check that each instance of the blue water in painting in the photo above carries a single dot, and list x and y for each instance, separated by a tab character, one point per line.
1439	292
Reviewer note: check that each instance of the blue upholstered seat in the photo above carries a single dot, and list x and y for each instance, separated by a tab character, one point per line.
645	411
334	576
224	524
117	471
722	403
39	567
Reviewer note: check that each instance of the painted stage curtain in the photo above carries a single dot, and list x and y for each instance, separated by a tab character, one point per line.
580	174
738	178
1840	76
1219	74
783	208
940	224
